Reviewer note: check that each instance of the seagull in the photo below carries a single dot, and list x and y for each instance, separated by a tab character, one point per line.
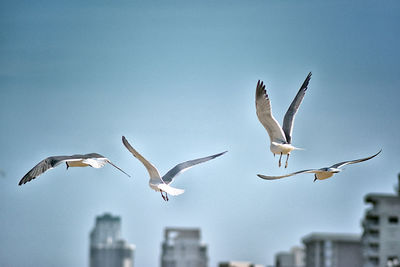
93	160
323	173
162	184
280	137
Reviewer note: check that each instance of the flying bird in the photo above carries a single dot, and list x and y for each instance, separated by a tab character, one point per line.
162	184
323	173
93	160
280	137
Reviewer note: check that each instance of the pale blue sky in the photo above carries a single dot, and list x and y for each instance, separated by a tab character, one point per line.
178	78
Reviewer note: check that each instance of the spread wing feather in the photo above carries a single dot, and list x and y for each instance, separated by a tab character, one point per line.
264	114
341	164
288	120
287	175
153	172
184	166
43	166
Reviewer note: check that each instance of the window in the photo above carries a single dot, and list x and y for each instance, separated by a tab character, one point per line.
393	219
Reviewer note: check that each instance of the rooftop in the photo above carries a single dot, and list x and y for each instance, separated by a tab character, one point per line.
332	237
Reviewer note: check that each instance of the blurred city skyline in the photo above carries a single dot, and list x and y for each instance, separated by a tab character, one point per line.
178	79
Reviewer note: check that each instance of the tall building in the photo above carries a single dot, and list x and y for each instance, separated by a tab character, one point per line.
182	248
333	250
238	264
284	259
107	249
294	258
381	236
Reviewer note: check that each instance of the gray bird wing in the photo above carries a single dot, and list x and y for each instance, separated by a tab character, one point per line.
264	114
44	165
153	172
287	175
288	120
341	164
181	167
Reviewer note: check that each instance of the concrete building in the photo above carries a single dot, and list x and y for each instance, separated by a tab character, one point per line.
294	258
381	236
107	249
238	264
333	250
182	248
284	259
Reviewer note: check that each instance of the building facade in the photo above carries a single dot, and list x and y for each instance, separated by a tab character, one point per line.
107	249
381	236
284	259
333	250
294	258
238	264
182	248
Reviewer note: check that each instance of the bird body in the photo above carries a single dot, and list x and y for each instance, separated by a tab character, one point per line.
93	160
325	173
162	184
280	137
281	148
322	173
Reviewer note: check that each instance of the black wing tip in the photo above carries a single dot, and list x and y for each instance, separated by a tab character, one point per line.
25	179
125	141
219	154
260	89
261	84
262	177
377	153
304	86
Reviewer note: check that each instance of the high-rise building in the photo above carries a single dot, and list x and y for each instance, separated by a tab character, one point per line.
381	236
333	250
107	249
294	258
182	248
238	264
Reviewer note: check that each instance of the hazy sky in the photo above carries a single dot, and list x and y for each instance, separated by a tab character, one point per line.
178	79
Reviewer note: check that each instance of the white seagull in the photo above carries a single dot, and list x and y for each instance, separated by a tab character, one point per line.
93	160
162	184
323	173
280	137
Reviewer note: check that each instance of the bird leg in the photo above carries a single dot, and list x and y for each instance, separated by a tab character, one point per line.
279	164
162	195
66	163
166	196
287	160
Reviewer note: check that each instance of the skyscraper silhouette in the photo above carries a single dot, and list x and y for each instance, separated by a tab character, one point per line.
107	249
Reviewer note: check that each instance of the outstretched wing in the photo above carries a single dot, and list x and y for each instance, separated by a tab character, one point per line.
264	114
341	164
153	172
288	120
287	175
96	160
112	164
43	166
181	167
